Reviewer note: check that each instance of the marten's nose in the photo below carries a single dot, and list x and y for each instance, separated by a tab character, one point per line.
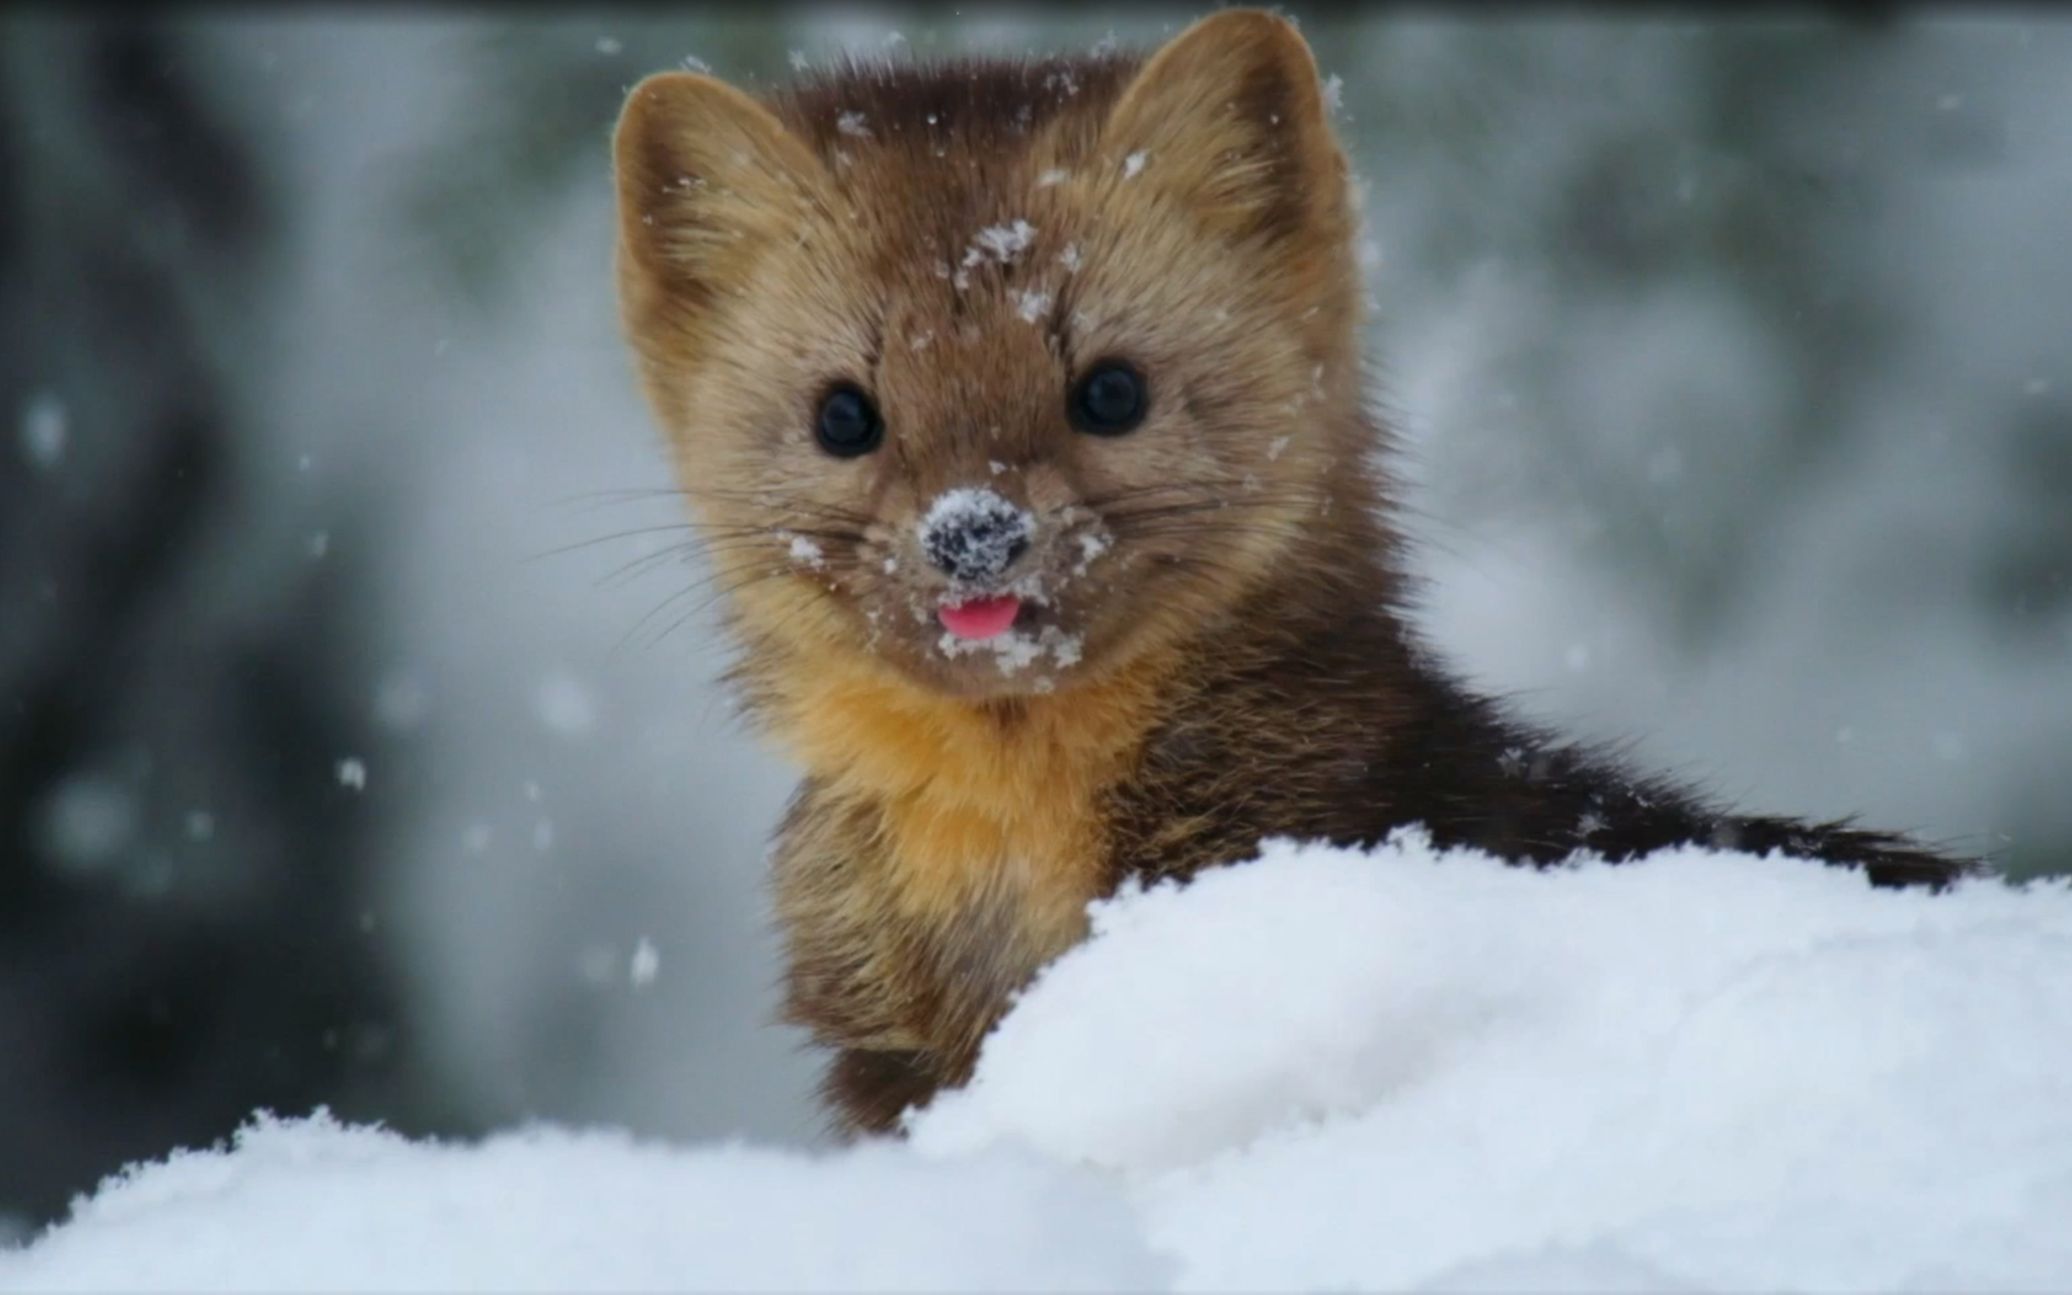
974	535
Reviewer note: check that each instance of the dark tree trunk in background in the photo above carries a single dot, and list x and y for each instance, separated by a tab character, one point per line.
183	936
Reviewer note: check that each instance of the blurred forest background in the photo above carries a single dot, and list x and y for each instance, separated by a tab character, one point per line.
1732	362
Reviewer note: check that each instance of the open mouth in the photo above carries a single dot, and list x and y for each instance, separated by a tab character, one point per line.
1014	631
979	619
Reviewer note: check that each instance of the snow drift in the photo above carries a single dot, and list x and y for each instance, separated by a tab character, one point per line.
1404	1069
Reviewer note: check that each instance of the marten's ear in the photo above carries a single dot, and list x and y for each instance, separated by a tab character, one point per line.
707	180
1229	117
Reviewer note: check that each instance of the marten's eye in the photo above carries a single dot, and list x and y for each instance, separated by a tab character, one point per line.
1109	400
849	424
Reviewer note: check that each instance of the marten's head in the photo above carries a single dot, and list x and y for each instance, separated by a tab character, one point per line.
1001	373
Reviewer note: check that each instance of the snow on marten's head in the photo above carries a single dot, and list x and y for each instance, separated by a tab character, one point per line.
1003	373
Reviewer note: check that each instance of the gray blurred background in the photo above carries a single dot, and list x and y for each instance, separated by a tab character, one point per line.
1732	363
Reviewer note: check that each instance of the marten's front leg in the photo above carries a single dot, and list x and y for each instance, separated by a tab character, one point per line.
868	1089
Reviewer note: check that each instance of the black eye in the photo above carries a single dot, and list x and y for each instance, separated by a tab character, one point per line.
849	424
1109	400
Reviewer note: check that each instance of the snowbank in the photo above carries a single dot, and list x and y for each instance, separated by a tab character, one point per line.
317	1206
1401	1071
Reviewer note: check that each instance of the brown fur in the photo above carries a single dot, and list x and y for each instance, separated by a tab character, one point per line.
1219	649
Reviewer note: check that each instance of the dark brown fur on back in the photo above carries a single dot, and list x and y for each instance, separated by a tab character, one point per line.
1318	716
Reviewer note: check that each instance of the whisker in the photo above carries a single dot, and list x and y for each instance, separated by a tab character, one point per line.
1128	494
783	533
623	494
715	596
776	502
1140	523
626	571
1245	500
714	585
607	539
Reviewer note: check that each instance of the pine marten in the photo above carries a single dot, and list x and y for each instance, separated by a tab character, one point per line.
1020	407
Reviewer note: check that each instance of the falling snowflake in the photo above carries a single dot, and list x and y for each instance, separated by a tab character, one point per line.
565	705
645	964
44	430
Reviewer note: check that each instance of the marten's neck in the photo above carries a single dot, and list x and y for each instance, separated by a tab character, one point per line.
972	806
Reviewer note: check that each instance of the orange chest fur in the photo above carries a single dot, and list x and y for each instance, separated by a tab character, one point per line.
975	803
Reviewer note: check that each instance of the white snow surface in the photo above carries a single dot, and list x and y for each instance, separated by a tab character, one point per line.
1405	1069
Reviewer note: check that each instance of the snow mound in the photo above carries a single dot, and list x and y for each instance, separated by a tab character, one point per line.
1707	1070
1406	1069
314	1205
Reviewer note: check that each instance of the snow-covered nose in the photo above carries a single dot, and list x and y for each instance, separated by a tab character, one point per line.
974	535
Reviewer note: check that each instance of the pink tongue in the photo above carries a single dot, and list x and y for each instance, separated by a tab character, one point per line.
981	618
